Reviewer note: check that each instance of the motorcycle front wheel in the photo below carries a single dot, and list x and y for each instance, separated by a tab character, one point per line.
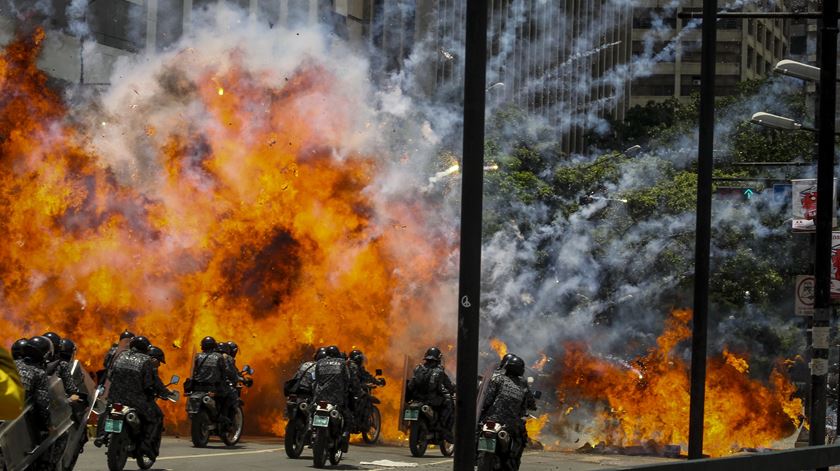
117	453
374	426
200	429
234	431
295	438
417	442
320	448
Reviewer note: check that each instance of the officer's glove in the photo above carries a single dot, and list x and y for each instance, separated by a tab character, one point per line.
380	382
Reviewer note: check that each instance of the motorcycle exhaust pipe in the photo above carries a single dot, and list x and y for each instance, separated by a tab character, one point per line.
208	401
503	435
303	406
334	414
132	418
428	411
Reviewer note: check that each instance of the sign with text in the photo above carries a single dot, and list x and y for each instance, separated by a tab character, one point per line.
804	194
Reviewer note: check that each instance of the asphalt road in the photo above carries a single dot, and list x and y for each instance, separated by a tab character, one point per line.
257	453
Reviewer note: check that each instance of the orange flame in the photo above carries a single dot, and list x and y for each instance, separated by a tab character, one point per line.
499	347
251	228
539	365
652	403
535	426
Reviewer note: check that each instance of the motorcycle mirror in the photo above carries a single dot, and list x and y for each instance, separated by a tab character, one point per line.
378	372
175	379
248	369
537	394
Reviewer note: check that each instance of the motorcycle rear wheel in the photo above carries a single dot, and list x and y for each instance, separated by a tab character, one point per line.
417	442
295	438
371	435
117	453
199	429
487	461
335	457
320	448
234	431
446	448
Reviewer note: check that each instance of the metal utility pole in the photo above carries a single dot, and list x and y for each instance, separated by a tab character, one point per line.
472	183
825	216
702	251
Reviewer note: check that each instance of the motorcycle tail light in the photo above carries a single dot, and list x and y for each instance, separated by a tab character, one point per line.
323	404
292	398
490	425
117	407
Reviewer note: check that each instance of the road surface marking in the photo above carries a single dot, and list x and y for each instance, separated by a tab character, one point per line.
211	455
419	465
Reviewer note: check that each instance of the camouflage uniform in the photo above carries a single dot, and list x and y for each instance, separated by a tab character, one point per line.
506	402
210	374
132	379
157	389
62	369
334	384
306	376
431	385
34	379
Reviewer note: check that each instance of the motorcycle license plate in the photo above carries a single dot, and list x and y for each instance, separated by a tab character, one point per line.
113	426
412	414
487	444
321	421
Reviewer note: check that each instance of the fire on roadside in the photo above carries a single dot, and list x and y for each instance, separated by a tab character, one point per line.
652	404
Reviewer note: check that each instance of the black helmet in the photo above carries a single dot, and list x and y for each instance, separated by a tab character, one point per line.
208	344
321	353
515	366
357	357
224	348
54	338
157	354
66	349
505	360
140	343
433	354
234	348
333	352
126	335
38	349
17	348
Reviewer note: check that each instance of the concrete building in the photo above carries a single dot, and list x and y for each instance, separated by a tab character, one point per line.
746	49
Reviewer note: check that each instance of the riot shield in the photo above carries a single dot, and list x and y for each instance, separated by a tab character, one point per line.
76	433
121	347
482	388
401	425
19	438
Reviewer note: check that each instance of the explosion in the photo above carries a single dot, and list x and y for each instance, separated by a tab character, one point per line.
650	402
177	208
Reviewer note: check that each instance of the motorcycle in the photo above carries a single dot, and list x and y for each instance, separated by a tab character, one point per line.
425	428
328	441
124	434
205	414
496	448
298	431
369	419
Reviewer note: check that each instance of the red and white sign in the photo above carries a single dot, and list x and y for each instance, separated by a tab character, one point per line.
805	205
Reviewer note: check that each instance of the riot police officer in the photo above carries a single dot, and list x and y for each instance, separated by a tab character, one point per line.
432	385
